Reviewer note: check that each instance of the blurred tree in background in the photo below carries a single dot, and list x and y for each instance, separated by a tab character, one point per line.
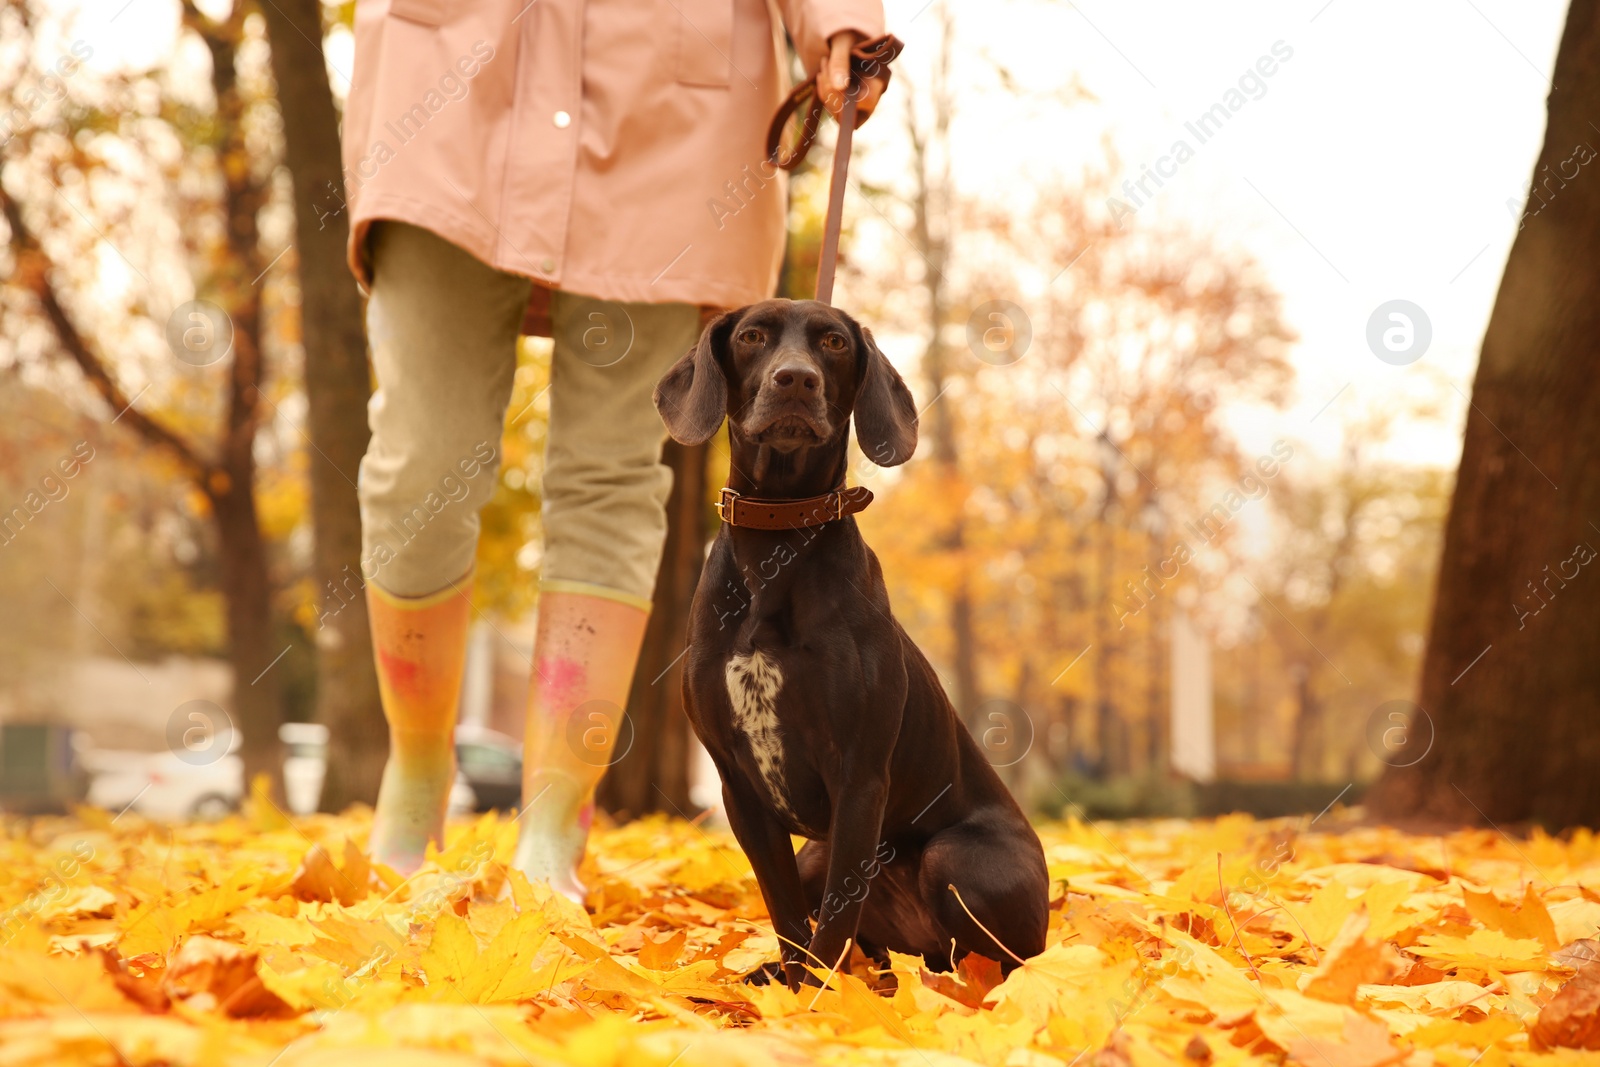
1077	485
1351	558
172	176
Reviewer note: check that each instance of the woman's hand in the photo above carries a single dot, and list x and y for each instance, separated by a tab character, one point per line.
834	78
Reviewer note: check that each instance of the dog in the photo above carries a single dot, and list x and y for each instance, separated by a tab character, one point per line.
821	715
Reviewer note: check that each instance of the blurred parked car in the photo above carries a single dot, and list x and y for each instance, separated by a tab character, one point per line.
161	786
305	763
491	764
40	772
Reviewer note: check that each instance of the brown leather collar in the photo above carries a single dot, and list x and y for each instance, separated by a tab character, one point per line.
756	514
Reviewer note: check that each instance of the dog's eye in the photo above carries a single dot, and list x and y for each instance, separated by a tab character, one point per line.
833	342
751	337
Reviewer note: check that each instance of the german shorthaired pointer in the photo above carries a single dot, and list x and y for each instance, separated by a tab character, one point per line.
823	719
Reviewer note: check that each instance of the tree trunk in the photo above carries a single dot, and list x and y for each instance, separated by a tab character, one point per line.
337	388
230	485
1511	680
1105	727
931	235
1305	752
946	454
1252	719
1156	709
247	594
654	775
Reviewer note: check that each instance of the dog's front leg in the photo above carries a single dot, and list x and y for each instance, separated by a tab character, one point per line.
771	854
854	858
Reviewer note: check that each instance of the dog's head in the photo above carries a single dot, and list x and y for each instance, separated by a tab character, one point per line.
789	374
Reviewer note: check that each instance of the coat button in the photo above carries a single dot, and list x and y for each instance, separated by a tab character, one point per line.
561	119
548	265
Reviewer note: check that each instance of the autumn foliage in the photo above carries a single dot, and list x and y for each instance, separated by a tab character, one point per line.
1229	941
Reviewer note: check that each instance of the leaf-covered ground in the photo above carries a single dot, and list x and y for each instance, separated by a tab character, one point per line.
258	941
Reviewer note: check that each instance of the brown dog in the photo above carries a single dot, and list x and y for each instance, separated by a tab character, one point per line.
823	719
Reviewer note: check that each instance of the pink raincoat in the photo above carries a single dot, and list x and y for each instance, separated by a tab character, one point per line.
613	148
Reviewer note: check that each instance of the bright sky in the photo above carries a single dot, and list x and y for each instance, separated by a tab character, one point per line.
1377	164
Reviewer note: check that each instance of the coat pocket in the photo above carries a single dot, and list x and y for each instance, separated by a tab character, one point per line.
705	42
427	12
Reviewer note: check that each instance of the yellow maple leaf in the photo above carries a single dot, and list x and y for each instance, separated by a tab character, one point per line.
1352	961
1037	987
269	928
1530	921
523	960
1223	989
1333	904
1484	949
694	980
661	955
78	902
452	952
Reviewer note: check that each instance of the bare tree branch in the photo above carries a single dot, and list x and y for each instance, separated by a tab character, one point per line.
33	269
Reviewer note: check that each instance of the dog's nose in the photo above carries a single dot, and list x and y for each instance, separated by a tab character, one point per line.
796	378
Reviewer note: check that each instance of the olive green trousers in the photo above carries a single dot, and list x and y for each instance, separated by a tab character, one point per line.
443	330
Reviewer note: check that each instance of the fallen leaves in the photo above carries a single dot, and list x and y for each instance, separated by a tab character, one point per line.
520	962
1362	1043
1528	921
1038	987
212	975
1353	961
259	940
319	878
1572	1018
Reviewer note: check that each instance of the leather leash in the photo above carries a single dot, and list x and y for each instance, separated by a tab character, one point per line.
867	59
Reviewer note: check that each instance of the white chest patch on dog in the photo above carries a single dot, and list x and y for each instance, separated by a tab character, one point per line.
753	685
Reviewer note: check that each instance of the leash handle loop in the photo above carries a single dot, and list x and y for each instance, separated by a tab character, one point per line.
867	59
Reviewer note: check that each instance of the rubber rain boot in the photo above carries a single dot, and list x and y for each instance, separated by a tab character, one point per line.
585	650
421	648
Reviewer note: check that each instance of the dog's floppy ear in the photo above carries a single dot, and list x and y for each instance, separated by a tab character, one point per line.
692	397
886	415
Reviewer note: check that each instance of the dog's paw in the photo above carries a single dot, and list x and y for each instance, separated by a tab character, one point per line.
765	974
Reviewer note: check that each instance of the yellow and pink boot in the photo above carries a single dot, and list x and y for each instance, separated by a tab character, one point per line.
585	649
421	649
